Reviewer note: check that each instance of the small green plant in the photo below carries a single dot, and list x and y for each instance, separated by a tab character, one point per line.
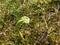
24	20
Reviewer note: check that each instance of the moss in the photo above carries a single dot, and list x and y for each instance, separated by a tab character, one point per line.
44	17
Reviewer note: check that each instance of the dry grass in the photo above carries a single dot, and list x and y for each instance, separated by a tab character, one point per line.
44	26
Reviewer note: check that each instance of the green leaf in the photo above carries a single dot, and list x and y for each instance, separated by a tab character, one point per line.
21	35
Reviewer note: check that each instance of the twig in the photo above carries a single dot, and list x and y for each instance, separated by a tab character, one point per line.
45	34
